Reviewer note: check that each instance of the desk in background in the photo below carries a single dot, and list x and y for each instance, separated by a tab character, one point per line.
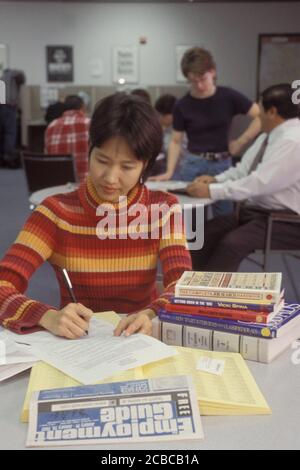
37	197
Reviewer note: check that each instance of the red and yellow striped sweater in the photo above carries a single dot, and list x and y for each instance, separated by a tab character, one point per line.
109	274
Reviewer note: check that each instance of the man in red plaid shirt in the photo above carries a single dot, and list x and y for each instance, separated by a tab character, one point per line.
69	134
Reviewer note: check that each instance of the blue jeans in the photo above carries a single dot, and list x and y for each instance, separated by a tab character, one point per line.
195	165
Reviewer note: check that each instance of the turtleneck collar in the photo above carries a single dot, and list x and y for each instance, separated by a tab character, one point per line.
90	199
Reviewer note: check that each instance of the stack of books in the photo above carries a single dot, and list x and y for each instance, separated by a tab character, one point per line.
230	312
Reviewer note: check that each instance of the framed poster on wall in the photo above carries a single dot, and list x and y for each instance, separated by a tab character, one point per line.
125	64
278	60
59	63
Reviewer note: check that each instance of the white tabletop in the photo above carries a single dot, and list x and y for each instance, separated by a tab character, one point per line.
279	382
38	196
183	199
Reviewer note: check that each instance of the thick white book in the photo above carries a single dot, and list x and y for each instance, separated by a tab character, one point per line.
237	287
251	348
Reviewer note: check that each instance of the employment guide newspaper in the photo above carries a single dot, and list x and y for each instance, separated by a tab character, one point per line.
163	408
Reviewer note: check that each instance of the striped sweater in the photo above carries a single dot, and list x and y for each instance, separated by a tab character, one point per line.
112	273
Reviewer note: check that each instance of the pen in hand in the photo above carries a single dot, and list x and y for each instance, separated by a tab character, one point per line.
69	287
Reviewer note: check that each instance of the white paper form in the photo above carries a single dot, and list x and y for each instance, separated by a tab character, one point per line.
12	353
98	355
13	358
13	369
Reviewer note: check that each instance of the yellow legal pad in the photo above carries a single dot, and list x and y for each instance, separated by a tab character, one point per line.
235	392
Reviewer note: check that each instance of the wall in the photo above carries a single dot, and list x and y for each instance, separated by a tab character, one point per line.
230	31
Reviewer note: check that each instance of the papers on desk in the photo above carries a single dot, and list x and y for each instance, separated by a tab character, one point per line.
13	358
235	392
45	377
8	371
14	353
165	185
98	355
184	199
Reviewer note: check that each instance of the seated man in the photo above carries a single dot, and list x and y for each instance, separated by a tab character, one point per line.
164	105
69	134
267	179
142	93
54	111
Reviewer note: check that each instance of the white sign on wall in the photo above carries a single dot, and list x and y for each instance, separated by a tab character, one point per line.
2	92
48	95
3	58
125	64
180	50
96	68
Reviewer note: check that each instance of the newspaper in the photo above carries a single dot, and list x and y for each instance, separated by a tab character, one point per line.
157	409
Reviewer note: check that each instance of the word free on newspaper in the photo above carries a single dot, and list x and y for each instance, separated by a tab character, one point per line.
163	408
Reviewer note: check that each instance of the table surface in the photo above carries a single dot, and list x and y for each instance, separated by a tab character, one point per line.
38	196
279	382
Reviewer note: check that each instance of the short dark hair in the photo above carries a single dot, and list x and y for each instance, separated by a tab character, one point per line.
197	60
280	96
73	102
142	93
165	104
133	119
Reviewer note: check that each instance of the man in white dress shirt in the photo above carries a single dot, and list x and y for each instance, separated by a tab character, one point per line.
267	179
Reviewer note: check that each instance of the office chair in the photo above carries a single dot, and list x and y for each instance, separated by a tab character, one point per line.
280	217
43	171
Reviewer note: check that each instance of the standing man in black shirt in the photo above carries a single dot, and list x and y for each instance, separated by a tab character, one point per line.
205	114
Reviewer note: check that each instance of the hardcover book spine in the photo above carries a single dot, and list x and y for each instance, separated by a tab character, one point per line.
247	296
218	313
228	326
230	305
209	340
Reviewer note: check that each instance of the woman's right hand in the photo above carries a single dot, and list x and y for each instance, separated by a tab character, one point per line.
71	322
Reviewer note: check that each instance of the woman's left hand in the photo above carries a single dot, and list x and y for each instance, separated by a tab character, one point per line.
140	322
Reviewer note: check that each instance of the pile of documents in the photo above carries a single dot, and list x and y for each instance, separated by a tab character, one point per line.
95	356
219	382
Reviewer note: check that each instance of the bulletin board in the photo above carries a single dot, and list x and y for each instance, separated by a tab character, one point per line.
278	59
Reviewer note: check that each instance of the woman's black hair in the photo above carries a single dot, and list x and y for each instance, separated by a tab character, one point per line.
133	119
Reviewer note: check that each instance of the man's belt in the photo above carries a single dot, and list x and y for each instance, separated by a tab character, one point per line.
212	156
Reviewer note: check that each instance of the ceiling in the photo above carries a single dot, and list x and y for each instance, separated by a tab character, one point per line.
154	1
